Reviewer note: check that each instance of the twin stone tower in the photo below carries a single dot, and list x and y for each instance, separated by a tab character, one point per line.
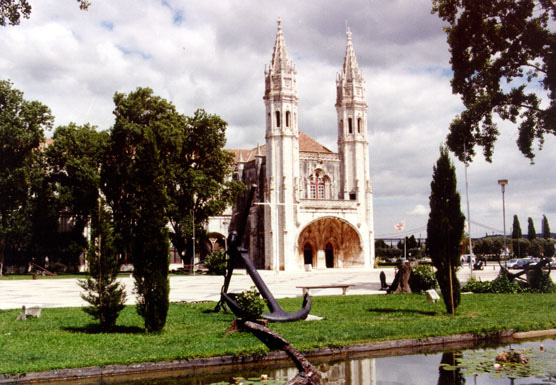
312	206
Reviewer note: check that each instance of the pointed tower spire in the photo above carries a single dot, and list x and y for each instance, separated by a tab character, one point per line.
280	61
350	69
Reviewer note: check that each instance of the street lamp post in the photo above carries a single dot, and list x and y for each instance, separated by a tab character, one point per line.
503	183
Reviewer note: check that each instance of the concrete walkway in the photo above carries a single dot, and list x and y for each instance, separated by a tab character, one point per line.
66	292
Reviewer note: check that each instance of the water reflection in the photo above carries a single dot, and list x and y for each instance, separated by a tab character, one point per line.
426	369
450	377
417	369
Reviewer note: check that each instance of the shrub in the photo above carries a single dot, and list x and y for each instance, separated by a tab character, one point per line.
215	262
475	286
251	304
500	285
422	279
102	290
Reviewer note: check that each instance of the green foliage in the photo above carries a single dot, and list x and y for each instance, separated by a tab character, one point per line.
22	125
216	263
74	160
136	175
388	252
489	246
520	247
531	232
516	229
105	295
501	51
445	229
422	279
499	285
541	363
199	186
545	228
251	304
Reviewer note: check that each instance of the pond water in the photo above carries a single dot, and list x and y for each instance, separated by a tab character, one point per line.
452	367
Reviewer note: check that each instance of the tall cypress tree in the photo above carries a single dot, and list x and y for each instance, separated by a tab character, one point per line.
545	228
445	229
531	232
136	175
516	229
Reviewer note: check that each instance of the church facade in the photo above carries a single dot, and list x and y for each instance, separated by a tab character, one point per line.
312	206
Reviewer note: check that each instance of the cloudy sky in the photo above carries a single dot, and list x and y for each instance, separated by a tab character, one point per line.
212	55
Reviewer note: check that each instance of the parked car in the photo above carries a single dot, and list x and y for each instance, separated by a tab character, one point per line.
511	264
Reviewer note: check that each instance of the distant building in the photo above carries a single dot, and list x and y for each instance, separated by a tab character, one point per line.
312	206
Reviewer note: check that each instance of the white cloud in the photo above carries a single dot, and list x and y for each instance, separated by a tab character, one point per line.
212	55
419	210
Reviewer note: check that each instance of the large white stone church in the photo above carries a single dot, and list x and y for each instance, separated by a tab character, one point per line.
312	206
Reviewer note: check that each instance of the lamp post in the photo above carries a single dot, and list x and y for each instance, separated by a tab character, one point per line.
503	183
468	218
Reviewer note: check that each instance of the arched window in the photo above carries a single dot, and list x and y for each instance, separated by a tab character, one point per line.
277	118
350	125
317	186
287	118
358	125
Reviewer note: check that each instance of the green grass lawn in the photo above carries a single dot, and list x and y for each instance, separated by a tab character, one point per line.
66	337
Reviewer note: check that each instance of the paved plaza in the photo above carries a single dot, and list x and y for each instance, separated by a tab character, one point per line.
66	292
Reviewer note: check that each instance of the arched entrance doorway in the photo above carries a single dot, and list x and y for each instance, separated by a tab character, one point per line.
329	255
330	242
308	254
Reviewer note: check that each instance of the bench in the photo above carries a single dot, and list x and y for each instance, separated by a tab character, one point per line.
339	286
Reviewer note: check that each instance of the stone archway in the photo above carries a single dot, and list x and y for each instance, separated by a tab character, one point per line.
334	244
215	242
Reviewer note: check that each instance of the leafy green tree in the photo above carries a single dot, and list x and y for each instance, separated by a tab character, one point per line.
198	187
545	228
11	11
520	247
516	229
536	248
501	51
103	292
412	242
74	161
531	232
380	244
135	178
445	229
548	248
22	125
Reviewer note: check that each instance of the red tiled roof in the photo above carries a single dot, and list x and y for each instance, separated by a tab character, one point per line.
306	144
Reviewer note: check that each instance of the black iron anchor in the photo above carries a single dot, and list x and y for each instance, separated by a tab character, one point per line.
237	253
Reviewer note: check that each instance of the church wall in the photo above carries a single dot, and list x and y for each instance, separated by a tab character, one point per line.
327	165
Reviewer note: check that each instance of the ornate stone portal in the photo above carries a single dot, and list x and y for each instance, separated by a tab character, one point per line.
330	243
